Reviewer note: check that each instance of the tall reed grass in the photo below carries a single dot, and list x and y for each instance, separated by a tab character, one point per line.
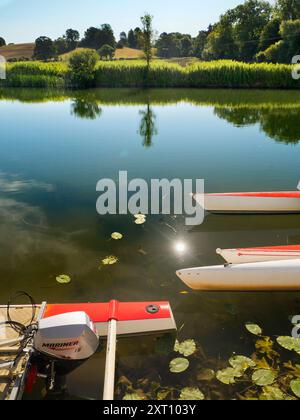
132	74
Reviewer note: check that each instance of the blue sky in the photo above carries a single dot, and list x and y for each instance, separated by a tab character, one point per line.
24	21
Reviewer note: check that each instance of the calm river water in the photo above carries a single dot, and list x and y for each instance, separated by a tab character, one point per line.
54	149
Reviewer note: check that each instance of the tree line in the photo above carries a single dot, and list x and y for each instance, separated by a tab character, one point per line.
252	31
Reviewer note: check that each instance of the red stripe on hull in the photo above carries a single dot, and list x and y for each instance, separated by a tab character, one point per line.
283	194
101	312
290	248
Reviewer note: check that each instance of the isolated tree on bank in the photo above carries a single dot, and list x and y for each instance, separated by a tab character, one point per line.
147	36
44	48
107	52
82	66
2	42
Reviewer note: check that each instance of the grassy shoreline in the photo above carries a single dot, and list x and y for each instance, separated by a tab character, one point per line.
133	74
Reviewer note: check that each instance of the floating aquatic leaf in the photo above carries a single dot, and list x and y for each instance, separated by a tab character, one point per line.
254	329
242	363
206	375
116	236
187	348
63	279
163	395
265	346
263	377
295	387
191	394
272	393
133	397
228	376
289	343
179	365
111	260
140	219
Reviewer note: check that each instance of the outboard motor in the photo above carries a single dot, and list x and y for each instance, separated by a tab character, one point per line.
66	340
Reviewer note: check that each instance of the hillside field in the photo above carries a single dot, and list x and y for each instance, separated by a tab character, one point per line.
26	51
17	51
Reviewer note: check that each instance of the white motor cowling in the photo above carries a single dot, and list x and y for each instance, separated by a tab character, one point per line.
69	336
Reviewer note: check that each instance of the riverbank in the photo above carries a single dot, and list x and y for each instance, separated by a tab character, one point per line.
134	74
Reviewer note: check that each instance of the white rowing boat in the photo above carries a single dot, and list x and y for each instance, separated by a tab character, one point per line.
262	276
251	202
251	255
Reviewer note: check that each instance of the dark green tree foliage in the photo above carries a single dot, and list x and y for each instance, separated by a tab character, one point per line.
2	42
82	66
72	38
249	21
61	45
147	37
135	38
123	42
186	46
288	9
44	48
106	52
220	42
132	43
284	50
174	45
239	31
199	43
270	34
97	37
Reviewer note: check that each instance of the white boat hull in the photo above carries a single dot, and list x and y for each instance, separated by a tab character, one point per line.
263	276
251	203
252	255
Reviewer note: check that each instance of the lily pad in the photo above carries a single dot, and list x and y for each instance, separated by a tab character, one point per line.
179	365
295	387
289	343
242	363
272	393
187	348
116	236
191	394
264	377
63	279
140	219
133	397
228	376
254	329
111	260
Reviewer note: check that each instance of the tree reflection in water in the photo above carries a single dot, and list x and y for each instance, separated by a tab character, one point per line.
280	124
87	109
148	127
